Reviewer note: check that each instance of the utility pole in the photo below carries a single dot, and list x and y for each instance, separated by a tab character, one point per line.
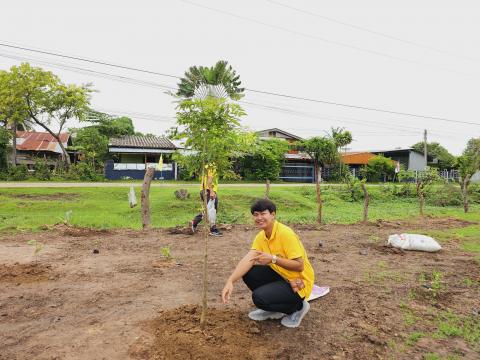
425	148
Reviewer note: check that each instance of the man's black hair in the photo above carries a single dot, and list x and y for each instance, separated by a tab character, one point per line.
262	205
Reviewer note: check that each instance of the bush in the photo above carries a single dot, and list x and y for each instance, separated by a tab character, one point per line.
18	173
353	189
447	195
83	171
404	190
474	193
378	168
340	172
42	171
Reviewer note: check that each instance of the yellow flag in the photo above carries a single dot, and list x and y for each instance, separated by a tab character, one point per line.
160	163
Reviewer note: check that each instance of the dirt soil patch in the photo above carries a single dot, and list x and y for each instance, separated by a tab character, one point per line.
25	273
126	301
46	197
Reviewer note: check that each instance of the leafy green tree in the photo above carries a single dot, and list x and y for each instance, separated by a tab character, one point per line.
4	141
323	151
424	180
379	168
93	139
340	136
93	144
13	113
265	160
211	130
40	96
434	149
109	125
468	164
219	74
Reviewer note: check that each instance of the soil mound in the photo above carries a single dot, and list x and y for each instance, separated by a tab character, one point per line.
228	334
24	273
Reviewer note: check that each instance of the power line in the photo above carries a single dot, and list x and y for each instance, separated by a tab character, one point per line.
344	119
325	40
268	107
252	90
360	107
370	31
169	119
88	60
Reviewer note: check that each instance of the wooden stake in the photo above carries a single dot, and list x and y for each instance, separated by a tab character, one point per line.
145	197
366	201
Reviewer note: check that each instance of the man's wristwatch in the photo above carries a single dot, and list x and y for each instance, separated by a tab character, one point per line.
274	259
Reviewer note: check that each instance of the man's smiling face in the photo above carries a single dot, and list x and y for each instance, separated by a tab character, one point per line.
264	219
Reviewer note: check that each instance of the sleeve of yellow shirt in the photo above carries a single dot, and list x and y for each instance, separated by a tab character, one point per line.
256	244
292	246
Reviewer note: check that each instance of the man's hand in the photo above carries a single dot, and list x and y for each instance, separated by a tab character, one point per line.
213	195
297	284
262	258
227	292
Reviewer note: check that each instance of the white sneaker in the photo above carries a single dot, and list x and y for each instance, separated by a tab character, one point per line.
260	315
294	320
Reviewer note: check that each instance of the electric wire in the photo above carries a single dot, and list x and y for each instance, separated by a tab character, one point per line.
271	93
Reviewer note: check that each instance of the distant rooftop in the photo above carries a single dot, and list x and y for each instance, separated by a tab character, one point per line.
149	142
277	130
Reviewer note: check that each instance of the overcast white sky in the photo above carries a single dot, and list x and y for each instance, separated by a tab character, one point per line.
431	69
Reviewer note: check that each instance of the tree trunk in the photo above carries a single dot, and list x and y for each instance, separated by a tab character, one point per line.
465	184
267	189
14	144
319	193
145	197
206	229
366	201
65	157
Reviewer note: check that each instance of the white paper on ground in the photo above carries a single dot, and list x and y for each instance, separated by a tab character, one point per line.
318	291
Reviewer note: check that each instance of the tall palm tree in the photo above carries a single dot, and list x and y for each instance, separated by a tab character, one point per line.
219	74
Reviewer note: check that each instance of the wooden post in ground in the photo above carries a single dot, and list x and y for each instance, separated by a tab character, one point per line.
366	201
464	185
267	189
145	197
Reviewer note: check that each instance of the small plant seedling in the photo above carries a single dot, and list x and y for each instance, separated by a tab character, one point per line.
38	246
414	337
166	252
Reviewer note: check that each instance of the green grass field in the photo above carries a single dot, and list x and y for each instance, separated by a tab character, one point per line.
30	208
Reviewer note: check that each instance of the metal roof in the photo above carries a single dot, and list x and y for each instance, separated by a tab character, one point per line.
40	141
148	142
356	158
281	131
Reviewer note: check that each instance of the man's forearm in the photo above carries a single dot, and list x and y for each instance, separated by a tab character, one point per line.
290	264
242	268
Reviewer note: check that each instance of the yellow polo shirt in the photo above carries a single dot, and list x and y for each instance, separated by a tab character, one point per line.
285	244
211	170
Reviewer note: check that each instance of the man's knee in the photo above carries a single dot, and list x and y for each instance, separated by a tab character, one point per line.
259	300
249	277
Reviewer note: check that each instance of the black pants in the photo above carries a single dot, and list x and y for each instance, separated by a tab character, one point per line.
271	292
199	217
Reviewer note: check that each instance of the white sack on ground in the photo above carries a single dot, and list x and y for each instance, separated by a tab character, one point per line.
132	199
212	213
414	242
